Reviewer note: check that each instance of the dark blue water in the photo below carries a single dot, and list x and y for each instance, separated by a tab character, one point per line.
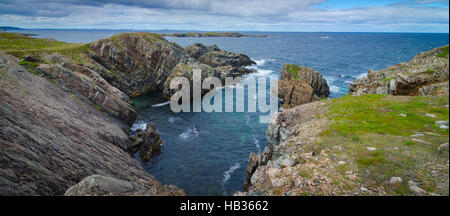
214	162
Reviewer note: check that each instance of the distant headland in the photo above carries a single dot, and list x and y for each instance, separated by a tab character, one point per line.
212	34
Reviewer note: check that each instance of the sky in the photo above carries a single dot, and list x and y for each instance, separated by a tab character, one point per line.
231	15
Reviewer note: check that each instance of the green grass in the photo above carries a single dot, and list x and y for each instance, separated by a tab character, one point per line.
443	53
389	78
21	46
429	72
293	69
373	121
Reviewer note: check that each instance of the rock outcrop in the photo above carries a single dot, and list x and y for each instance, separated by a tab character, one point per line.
147	143
137	63
299	85
229	64
426	74
52	136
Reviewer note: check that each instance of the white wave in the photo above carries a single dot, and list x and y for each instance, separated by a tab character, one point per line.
186	134
360	76
325	37
227	174
262	62
256	141
334	89
139	125
161	104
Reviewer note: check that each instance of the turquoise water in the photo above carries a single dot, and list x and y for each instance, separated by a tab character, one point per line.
213	162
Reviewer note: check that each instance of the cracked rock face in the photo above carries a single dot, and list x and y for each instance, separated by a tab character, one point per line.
425	74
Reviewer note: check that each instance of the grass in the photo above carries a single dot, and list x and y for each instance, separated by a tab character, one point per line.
293	69
389	78
429	72
21	46
374	121
443	53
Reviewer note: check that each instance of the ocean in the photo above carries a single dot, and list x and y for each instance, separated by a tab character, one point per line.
213	161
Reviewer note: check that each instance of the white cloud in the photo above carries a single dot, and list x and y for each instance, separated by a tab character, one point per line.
239	15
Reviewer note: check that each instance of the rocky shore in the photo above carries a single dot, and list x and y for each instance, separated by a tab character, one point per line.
425	74
66	111
372	144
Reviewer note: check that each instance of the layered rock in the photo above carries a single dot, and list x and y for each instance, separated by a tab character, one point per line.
229	64
87	82
137	63
426	74
52	138
299	85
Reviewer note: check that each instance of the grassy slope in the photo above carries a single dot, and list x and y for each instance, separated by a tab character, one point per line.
21	46
376	121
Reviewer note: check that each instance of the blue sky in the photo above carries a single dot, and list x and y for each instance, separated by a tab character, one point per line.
231	15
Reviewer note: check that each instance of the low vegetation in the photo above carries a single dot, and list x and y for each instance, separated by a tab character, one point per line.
20	46
444	52
390	136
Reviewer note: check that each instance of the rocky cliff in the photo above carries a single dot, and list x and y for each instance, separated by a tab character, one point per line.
426	74
299	85
52	137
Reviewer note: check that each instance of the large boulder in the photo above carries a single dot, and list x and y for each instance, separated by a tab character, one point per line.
426	74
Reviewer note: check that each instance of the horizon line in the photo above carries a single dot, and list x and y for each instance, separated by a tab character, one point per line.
193	30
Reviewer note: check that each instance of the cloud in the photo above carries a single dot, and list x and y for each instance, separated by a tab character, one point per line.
239	15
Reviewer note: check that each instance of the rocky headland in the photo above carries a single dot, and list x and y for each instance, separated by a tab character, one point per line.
425	74
390	140
66	111
211	34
